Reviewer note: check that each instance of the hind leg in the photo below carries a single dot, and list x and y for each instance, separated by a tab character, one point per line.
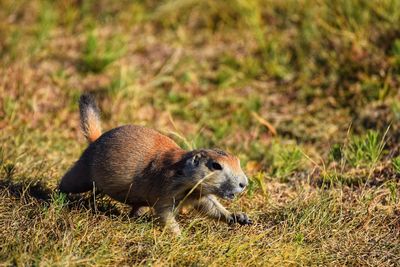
137	211
166	216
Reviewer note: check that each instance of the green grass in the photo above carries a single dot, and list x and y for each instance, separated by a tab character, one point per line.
396	164
97	56
365	150
278	83
287	159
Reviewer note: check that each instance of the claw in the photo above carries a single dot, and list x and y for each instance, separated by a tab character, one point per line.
240	218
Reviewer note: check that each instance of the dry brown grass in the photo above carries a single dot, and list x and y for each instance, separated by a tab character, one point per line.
323	74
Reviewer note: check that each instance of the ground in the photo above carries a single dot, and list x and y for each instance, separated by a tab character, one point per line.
305	93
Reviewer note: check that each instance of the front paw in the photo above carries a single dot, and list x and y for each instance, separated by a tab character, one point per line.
240	218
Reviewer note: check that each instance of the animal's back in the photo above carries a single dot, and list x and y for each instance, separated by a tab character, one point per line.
122	157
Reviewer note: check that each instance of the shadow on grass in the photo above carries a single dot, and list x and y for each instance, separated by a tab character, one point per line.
29	190
36	190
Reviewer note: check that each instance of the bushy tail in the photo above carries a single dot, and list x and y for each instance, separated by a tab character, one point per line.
90	117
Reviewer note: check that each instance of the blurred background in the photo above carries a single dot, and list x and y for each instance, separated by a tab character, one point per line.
305	93
267	80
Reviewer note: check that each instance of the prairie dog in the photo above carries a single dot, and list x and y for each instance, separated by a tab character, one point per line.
141	167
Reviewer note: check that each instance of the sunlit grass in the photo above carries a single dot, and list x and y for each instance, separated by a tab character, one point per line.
396	164
365	150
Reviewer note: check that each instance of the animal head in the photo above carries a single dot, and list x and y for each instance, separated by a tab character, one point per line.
218	171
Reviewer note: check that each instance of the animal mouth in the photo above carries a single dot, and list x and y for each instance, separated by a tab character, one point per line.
225	194
230	196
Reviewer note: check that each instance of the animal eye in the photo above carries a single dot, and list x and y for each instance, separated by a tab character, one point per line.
216	166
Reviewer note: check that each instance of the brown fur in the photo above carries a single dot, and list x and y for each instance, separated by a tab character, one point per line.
141	167
93	130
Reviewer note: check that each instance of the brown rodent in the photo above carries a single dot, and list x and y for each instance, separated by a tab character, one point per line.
141	167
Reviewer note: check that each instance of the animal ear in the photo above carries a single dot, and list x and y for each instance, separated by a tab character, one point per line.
196	159
192	163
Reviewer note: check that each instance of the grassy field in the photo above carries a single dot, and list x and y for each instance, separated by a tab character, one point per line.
306	93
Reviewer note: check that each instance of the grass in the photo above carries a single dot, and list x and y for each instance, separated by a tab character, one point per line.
96	57
365	150
278	83
286	160
396	164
